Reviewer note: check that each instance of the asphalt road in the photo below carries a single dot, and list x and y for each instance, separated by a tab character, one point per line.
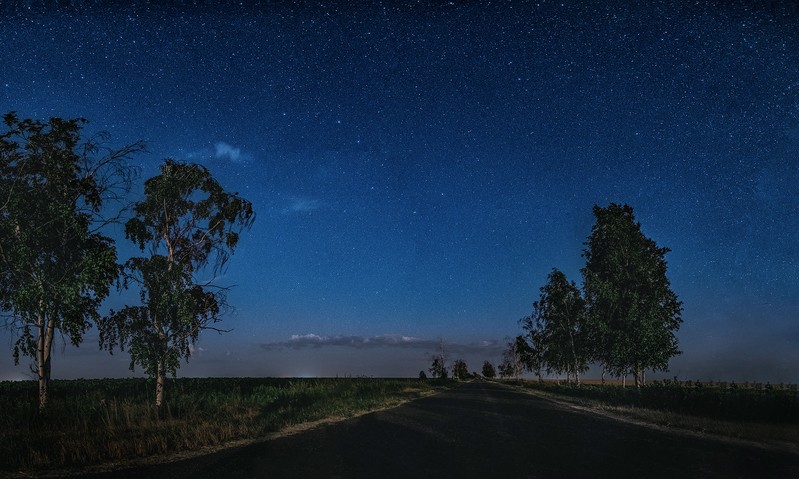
482	429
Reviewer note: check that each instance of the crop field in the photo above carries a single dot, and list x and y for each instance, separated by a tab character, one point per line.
91	422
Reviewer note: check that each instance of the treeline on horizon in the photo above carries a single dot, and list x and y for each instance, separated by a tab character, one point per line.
59	193
625	318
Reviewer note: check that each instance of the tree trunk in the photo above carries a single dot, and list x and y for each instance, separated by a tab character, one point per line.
48	351
603	376
160	380
624	381
40	360
574	356
44	347
160	367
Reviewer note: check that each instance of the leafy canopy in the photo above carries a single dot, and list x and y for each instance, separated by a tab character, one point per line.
488	370
186	220
459	369
55	268
558	320
633	314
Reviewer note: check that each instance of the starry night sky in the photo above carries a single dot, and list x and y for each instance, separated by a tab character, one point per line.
418	168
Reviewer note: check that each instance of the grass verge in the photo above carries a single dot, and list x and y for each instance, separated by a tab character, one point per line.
779	434
90	422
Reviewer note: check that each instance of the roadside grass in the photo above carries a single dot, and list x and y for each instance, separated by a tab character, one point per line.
91	422
764	416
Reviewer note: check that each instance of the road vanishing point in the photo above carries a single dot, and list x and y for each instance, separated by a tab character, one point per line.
486	430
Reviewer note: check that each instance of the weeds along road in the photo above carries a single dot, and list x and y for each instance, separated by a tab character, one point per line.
482	429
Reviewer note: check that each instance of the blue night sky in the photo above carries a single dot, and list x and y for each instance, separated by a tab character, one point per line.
417	168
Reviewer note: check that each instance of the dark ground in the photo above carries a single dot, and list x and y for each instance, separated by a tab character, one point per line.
481	429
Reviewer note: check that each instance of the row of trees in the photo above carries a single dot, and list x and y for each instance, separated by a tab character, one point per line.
625	318
58	196
439	370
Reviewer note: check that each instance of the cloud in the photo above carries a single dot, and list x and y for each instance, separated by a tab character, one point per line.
303	205
299	341
196	349
226	151
315	341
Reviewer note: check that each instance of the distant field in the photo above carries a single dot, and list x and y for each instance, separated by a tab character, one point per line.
110	420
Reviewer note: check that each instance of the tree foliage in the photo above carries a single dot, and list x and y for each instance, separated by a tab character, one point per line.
459	370
55	266
185	220
535	347
558	328
438	369
513	358
505	369
632	312
488	370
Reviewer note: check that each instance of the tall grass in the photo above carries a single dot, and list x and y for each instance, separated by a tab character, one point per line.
90	422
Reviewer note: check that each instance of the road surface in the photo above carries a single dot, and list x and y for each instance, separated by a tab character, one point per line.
482	429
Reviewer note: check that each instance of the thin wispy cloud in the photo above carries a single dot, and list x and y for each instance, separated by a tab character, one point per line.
219	151
316	341
225	151
196	349
303	205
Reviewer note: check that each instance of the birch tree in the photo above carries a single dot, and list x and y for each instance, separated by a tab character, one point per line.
186	222
513	358
459	369
559	315
55	265
633	313
437	368
535	347
489	372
